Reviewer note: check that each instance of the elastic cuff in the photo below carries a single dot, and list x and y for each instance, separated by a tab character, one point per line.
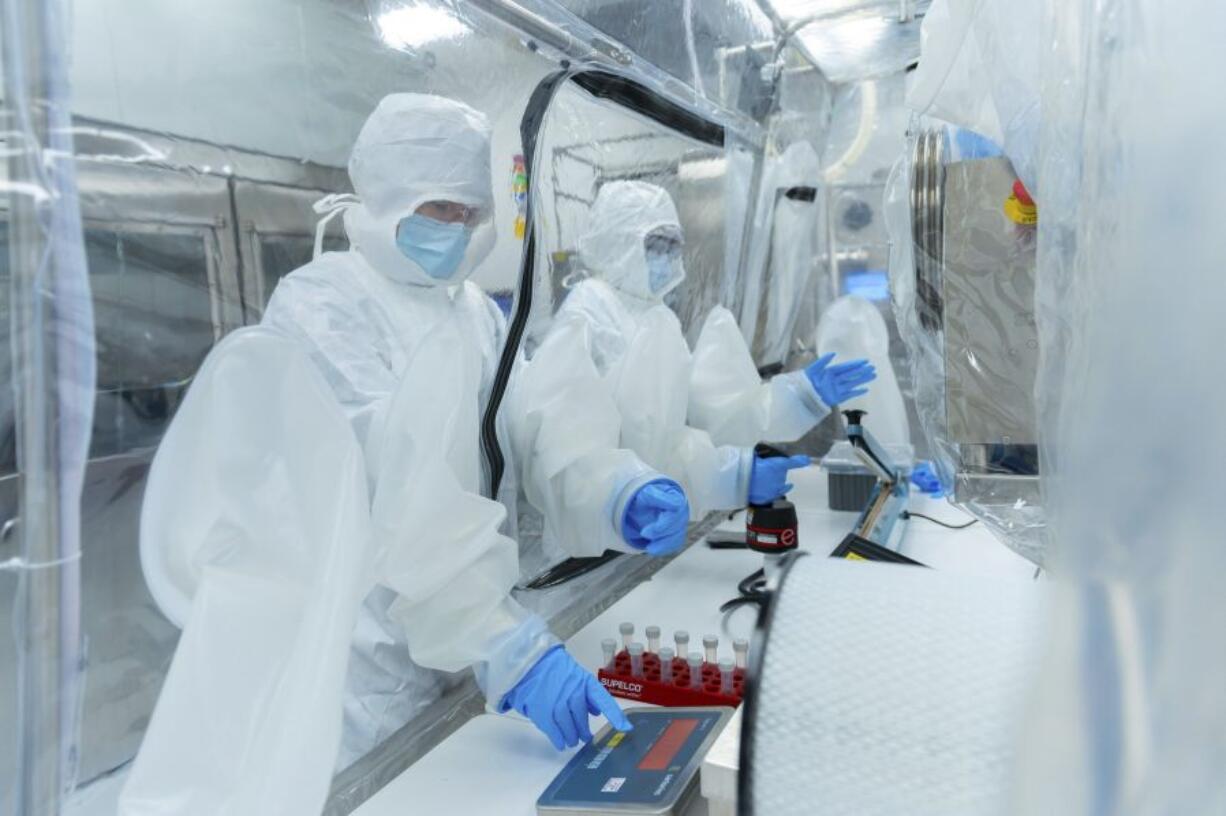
512	658
799	384
623	502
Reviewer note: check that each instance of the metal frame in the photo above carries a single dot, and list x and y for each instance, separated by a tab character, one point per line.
576	40
265	210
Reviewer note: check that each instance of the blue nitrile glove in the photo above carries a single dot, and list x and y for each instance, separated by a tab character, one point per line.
972	145
839	383
656	518
926	479
557	694
769	478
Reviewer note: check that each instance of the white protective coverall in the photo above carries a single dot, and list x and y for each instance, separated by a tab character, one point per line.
411	360
791	224
851	328
693	416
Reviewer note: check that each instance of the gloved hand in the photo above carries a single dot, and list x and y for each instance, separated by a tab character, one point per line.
839	383
656	518
557	694
769	478
925	478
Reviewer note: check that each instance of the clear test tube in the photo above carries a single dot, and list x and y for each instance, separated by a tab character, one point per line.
710	645
681	639
725	675
636	659
666	664
695	664
609	646
627	630
653	638
741	647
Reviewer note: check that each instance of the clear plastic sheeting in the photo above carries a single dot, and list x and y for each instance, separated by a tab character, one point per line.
962	269
853	328
862	45
586	143
981	72
867	135
689	40
780	290
788	214
46	408
1130	716
196	192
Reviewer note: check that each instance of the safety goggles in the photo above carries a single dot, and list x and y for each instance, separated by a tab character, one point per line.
451	212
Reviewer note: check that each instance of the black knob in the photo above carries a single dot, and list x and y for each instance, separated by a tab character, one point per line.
854	417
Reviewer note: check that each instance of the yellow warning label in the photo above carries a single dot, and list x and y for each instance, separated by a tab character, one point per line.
854	557
615	740
1025	214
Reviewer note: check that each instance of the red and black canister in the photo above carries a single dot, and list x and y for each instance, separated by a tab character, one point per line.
771	528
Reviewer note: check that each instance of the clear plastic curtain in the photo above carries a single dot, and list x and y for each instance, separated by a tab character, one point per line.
49	390
1129	716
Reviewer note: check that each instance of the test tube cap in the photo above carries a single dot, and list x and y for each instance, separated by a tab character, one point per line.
710	641
694	658
666	653
635	648
653	631
681	636
608	644
726	664
626	628
740	645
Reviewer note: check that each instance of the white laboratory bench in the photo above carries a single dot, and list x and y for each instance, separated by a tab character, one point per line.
500	764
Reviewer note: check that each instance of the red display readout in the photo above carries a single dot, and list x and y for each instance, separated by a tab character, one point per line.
667	746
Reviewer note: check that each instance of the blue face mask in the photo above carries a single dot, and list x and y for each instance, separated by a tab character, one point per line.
660	272
436	247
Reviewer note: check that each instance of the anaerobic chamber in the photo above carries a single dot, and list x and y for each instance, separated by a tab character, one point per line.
970	323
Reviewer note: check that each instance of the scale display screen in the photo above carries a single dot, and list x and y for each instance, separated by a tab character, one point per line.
645	769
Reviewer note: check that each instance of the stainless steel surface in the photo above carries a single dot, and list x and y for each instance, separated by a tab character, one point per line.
276	233
107	143
991	341
927	223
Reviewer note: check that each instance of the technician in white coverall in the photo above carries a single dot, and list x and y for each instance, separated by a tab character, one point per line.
392	335
695	416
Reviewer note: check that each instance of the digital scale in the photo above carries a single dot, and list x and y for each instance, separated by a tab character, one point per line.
650	770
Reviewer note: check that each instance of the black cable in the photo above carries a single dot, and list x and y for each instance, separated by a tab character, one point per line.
753	583
751	589
744	600
906	514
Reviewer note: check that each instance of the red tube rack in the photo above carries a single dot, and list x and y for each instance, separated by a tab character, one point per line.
620	682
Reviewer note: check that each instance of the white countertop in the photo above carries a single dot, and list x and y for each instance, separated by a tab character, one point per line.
500	764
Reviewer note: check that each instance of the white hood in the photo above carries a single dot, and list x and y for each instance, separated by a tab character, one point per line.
416	148
612	247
